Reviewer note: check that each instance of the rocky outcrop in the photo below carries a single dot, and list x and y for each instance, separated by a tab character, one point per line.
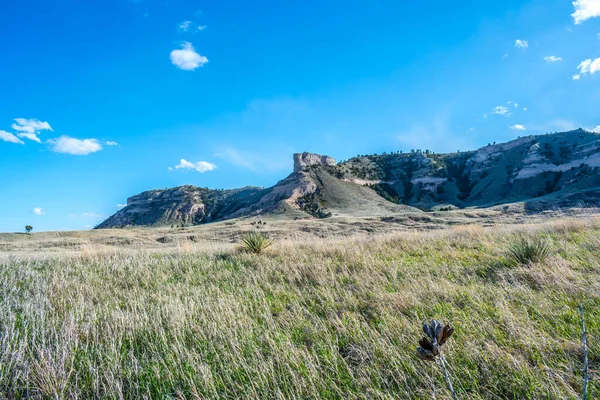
306	160
561	169
526	168
184	205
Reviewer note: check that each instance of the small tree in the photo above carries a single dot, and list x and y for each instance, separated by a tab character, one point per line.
28	228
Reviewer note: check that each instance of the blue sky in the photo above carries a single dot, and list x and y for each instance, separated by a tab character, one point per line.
102	100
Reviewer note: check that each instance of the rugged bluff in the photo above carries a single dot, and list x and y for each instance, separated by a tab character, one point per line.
561	168
305	160
544	171
184	205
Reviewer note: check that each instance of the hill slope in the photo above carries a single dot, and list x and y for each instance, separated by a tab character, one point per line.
555	170
557	166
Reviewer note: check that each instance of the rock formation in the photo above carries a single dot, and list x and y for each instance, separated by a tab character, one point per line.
305	160
554	170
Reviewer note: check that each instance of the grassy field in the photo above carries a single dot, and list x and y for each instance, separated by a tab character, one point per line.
307	319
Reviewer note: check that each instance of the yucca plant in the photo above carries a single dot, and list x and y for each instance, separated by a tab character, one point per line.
256	242
430	347
527	250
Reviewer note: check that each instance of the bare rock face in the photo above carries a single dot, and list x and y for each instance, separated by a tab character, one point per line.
305	160
554	170
184	205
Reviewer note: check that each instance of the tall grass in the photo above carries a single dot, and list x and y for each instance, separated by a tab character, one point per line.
527	249
306	320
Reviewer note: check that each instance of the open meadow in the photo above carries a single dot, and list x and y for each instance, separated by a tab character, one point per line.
114	315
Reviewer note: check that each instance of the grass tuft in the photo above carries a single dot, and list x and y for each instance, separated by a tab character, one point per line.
527	250
256	242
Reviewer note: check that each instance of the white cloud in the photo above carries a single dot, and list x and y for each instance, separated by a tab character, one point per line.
201	27
69	145
9	137
501	110
588	66
517	127
38	211
185	26
109	143
30	125
30	136
186	58
121	206
585	9
516	105
200	166
521	44
552	59
30	128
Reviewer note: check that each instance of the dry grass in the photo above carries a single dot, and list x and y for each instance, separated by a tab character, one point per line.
328	318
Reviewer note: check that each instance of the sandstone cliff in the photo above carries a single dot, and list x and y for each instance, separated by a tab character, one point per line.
545	171
305	160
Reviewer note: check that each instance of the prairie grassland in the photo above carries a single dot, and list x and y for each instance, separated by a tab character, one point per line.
325	319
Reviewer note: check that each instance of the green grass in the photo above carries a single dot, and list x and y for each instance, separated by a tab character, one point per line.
526	250
315	320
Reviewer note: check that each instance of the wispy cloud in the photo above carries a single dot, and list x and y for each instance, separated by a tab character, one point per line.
30	128
200	166
38	211
588	66
521	44
9	137
79	147
585	9
91	215
253	161
185	26
557	125
186	58
501	110
110	143
517	127
119	206
552	59
190	26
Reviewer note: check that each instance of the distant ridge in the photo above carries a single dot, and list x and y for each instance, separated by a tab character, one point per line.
544	171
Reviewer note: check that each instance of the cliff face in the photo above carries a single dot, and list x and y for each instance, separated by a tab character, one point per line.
184	205
558	170
305	160
555	165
